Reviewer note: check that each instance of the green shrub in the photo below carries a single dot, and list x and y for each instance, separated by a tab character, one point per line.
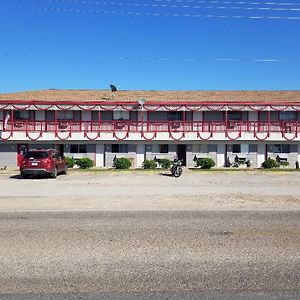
165	163
205	163
284	163
149	164
70	162
122	163
84	163
270	164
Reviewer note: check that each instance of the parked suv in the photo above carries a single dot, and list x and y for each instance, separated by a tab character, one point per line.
43	162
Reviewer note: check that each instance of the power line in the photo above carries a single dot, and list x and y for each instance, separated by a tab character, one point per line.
230	2
162	59
176	5
135	13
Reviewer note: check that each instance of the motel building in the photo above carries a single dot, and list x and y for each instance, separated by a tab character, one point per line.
227	126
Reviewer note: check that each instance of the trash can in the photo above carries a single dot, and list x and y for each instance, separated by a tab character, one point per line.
297	164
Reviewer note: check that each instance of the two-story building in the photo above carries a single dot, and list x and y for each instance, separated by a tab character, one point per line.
102	125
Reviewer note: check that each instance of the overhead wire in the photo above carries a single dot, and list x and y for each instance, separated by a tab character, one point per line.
184	6
229	2
163	59
154	14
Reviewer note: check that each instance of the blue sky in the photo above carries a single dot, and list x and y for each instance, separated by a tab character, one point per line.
150	44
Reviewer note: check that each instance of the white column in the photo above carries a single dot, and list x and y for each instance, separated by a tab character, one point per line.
140	155
261	149
100	155
220	155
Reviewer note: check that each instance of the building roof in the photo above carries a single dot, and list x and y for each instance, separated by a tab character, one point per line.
85	96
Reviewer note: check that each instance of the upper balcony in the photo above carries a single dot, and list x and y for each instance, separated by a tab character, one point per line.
26	130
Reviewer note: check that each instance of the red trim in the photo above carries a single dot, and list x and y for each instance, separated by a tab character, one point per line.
176	129
152	103
203	138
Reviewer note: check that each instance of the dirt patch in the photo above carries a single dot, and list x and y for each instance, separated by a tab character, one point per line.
152	191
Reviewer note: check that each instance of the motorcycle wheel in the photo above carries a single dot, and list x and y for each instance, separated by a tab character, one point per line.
177	172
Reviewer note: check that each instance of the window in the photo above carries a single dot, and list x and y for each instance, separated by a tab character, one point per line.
212	148
235	116
236	148
283	148
287	116
65	115
252	148
204	148
21	115
160	148
36	154
213	116
119	148
175	115
200	148
121	115
95	115
81	148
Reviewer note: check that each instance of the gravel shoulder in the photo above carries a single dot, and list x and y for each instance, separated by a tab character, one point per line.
117	191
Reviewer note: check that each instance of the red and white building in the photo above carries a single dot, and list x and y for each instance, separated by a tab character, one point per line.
223	125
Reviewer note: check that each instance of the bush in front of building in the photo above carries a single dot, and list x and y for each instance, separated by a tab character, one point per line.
149	164
165	163
205	163
270	164
84	163
70	161
122	163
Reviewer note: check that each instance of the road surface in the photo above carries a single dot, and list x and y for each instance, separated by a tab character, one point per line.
150	255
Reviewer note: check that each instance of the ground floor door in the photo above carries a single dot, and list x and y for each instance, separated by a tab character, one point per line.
181	153
22	149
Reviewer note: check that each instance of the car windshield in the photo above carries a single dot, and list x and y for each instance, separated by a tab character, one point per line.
36	154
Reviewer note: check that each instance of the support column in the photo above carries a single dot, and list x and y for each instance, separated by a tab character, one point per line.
140	155
220	155
261	152
100	155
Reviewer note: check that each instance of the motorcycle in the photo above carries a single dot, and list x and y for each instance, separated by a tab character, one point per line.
176	169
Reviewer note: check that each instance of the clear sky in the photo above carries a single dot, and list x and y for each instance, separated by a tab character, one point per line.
149	44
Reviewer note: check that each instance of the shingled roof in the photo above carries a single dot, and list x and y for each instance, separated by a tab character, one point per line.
78	96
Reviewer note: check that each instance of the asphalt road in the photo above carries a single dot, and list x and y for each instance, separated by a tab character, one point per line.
150	255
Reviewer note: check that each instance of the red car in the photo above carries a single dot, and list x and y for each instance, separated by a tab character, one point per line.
43	162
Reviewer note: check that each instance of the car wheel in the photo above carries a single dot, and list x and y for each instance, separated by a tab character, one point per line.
54	174
65	171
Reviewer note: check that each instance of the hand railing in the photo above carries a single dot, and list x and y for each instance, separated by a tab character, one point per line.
151	126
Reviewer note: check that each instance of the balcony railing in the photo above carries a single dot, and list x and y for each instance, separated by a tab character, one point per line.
232	129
